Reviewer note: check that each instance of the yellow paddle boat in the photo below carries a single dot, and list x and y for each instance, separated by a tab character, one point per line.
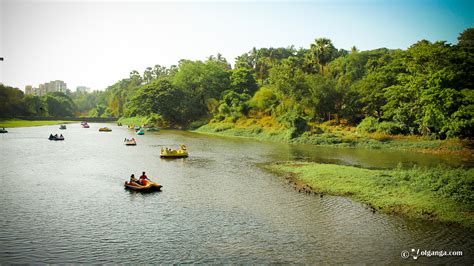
105	129
169	153
147	186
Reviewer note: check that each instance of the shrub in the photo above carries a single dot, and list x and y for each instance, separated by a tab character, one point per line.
196	124
389	127
222	127
255	129
155	120
368	125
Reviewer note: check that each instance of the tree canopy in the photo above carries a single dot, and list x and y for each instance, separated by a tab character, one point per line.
426	89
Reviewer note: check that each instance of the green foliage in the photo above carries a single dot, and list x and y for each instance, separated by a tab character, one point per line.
98	111
9	123
136	120
424	90
368	125
11	101
466	38
199	82
295	122
441	194
35	106
85	101
428	95
454	184
242	80
391	128
322	51
159	97
197	124
264	100
59	104
372	124
233	105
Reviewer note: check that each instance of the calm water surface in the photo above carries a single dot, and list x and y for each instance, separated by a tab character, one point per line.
64	202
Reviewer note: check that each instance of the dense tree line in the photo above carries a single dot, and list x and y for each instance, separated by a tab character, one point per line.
14	103
424	90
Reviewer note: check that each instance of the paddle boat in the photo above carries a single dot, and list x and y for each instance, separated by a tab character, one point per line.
85	125
147	186
130	126
3	130
105	129
169	153
56	137
62	127
119	124
130	142
141	132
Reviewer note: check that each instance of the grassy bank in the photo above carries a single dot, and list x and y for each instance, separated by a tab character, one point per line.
27	123
437	194
335	136
138	120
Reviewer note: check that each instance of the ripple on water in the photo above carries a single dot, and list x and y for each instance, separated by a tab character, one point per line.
65	203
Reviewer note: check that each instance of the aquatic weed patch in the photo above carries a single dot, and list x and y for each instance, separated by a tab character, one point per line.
439	194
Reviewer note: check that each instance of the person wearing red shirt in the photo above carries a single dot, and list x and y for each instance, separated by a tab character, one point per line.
143	179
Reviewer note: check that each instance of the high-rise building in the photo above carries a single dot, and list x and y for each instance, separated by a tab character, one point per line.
52	86
41	90
82	89
56	85
29	89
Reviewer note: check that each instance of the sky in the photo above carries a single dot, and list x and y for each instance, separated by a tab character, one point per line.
96	43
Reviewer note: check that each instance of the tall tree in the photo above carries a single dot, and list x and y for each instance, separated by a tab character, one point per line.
322	52
148	75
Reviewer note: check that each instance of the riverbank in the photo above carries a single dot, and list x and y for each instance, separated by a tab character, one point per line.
138	121
337	136
9	123
437	194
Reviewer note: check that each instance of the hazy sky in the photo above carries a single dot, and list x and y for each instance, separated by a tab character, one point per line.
96	43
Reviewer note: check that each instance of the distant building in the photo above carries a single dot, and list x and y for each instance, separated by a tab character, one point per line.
29	89
41	90
52	86
83	89
56	85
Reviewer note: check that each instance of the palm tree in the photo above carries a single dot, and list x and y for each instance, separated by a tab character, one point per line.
322	52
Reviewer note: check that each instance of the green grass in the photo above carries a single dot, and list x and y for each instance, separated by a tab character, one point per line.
439	194
337	137
27	123
254	131
137	120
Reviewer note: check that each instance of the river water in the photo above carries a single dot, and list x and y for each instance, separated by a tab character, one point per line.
64	202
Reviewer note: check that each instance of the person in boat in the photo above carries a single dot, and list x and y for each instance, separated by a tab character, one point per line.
55	135
51	136
143	177
133	179
61	136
